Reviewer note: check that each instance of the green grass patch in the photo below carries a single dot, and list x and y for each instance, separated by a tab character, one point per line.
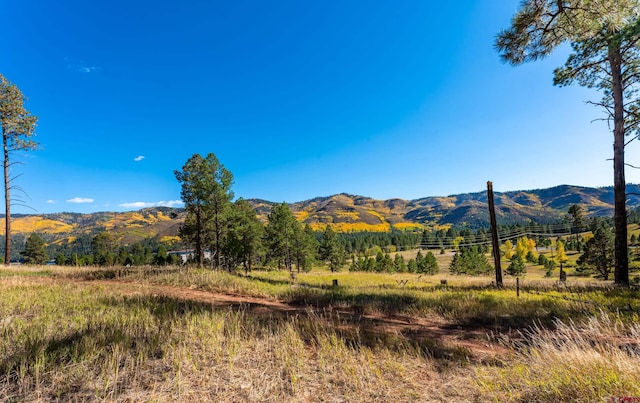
25	272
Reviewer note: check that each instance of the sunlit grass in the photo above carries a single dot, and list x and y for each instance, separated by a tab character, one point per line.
84	342
28	271
597	360
466	300
69	337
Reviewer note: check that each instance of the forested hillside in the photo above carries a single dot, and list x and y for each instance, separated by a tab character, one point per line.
343	212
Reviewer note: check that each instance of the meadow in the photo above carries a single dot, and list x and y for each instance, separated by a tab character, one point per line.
175	333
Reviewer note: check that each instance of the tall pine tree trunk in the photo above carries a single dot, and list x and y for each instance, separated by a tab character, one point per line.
619	184
218	232
7	203
199	247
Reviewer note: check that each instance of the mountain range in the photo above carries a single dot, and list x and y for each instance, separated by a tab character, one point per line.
345	212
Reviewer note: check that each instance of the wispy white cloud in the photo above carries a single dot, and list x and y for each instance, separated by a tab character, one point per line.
80	67
51	201
87	69
139	158
170	203
80	200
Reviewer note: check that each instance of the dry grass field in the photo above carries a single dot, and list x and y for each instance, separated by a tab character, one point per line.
176	334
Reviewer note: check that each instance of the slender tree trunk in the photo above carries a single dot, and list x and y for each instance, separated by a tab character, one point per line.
288	252
218	233
7	203
619	184
217	230
199	248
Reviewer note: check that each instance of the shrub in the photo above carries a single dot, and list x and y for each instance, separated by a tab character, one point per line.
516	268
470	261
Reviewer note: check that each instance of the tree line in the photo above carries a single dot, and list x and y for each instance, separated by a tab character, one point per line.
284	243
227	234
101	249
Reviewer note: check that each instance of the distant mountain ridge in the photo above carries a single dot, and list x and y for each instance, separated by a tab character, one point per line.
346	212
350	212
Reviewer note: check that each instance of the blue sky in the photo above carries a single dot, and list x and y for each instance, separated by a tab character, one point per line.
297	99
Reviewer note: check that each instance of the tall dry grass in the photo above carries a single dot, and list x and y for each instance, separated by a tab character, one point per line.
596	360
85	341
81	342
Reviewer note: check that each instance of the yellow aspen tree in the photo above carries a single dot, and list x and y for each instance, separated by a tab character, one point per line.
522	247
508	249
560	253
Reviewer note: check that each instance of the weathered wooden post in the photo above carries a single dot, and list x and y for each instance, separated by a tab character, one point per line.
563	274
494	235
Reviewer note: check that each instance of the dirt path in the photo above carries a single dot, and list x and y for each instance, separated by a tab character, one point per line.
447	334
